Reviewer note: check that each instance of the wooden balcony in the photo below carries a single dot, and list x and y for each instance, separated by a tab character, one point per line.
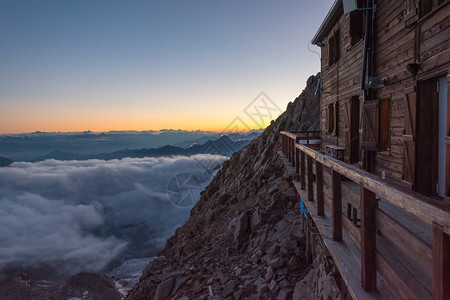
388	242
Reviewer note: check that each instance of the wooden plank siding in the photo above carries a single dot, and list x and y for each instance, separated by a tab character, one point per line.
396	216
341	81
392	240
399	39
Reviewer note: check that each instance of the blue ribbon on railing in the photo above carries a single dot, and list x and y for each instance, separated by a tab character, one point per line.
302	207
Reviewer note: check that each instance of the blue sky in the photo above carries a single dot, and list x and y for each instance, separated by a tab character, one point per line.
116	65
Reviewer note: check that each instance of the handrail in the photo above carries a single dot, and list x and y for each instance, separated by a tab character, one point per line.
425	208
431	211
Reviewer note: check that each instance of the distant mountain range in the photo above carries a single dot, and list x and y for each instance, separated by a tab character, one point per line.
4	162
222	146
29	146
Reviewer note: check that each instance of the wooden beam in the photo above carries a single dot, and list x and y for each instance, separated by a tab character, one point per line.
368	240
297	164
441	263
408	243
352	231
319	188
337	206
425	208
310	179
404	284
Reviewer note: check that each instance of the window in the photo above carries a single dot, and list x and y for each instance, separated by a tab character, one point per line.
356	25
333	49
427	6
332	118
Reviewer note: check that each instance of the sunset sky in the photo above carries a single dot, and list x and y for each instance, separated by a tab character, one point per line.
140	65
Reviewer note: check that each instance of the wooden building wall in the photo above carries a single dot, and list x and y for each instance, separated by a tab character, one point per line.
409	47
340	81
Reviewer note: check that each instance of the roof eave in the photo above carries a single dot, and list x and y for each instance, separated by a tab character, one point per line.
332	17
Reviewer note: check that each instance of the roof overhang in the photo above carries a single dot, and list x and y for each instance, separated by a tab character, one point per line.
332	17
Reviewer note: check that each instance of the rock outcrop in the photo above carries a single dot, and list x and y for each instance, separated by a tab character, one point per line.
20	286
85	286
244	238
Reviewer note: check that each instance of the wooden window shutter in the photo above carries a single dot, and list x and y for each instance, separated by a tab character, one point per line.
384	121
330	118
327	125
347	128
351	126
370	125
409	140
336	114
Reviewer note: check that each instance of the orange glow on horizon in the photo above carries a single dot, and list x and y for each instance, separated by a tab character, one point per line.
9	127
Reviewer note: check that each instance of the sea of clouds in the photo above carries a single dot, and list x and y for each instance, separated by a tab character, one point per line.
58	218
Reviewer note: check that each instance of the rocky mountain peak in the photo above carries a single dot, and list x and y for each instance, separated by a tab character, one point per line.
244	236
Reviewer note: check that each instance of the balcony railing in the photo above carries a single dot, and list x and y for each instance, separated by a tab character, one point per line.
403	235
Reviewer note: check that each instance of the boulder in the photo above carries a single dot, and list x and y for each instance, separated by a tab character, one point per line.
20	286
164	289
91	286
240	233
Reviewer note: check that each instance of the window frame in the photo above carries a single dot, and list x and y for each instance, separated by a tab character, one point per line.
333	48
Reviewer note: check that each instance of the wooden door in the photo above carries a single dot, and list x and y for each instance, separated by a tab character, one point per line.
442	90
351	130
427	137
447	144
409	140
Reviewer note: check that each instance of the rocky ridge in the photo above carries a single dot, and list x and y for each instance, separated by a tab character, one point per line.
244	238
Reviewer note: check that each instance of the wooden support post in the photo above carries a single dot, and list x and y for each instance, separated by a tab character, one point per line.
302	170
297	164
293	152
368	240
283	143
291	148
288	144
441	263
337	206
319	188
288	147
310	179
349	211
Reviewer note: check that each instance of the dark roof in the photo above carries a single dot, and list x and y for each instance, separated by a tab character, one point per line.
332	17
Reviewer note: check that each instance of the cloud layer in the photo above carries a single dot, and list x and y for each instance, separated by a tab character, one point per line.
58	218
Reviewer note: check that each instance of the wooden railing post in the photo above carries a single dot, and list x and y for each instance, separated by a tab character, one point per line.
368	240
337	206
302	170
441	263
297	163
287	147
283	143
310	179
319	188
293	152
291	146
